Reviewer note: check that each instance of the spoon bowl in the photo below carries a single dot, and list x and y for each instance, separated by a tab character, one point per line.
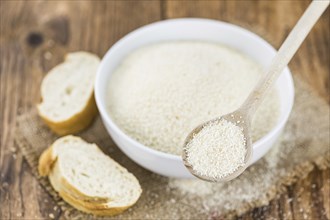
238	118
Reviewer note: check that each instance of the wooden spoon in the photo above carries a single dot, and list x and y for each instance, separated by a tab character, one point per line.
242	116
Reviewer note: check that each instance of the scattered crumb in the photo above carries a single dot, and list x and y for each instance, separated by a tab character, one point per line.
48	55
13	149
51	215
50	43
305	216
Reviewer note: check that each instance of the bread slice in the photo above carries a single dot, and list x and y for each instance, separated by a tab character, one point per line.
88	179
68	104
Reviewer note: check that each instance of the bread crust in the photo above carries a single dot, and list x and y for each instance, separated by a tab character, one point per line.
76	123
101	210
46	161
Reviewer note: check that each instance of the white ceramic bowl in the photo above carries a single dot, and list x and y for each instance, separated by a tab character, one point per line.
187	29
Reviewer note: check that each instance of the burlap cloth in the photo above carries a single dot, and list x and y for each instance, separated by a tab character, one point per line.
304	144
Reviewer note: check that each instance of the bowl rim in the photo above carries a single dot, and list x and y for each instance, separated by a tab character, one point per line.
101	72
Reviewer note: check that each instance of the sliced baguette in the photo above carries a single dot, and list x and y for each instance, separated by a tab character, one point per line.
68	104
88	179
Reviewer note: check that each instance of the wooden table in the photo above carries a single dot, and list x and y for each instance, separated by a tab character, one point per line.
36	34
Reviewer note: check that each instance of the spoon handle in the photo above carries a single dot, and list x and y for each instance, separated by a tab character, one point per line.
285	54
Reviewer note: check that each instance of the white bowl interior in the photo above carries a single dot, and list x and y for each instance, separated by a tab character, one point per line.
194	29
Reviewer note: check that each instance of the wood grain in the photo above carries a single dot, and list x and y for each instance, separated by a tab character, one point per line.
35	35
